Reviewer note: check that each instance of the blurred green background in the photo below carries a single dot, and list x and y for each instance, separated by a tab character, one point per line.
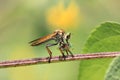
24	20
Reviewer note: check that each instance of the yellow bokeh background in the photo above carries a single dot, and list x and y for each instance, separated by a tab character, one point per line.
64	17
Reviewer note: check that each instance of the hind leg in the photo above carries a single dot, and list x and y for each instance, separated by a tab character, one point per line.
49	51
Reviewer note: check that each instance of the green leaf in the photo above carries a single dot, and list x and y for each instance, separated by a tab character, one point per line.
105	38
114	70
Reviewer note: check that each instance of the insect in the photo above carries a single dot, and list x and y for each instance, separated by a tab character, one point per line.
61	39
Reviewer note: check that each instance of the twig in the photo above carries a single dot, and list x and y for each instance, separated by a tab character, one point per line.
33	61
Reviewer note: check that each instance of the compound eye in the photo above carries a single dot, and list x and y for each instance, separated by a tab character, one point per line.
67	36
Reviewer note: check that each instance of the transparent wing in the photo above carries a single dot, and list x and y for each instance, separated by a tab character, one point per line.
42	39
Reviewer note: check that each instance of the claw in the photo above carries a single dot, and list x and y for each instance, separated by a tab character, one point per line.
60	58
64	57
49	59
72	55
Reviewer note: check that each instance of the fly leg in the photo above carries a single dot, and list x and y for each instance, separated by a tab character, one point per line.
68	44
70	52
67	52
49	51
62	53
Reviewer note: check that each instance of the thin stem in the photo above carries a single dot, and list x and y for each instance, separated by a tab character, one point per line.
33	61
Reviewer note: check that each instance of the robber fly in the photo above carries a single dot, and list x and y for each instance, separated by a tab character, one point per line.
61	39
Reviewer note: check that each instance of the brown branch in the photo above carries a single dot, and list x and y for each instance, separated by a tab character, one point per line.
33	61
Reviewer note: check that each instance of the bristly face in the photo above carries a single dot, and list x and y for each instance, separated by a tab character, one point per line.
60	32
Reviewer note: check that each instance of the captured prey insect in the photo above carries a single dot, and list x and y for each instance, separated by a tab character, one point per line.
61	39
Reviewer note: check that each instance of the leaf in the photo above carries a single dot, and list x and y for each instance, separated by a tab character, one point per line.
114	70
104	38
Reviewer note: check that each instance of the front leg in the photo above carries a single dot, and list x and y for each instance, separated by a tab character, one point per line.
67	37
70	52
62	53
